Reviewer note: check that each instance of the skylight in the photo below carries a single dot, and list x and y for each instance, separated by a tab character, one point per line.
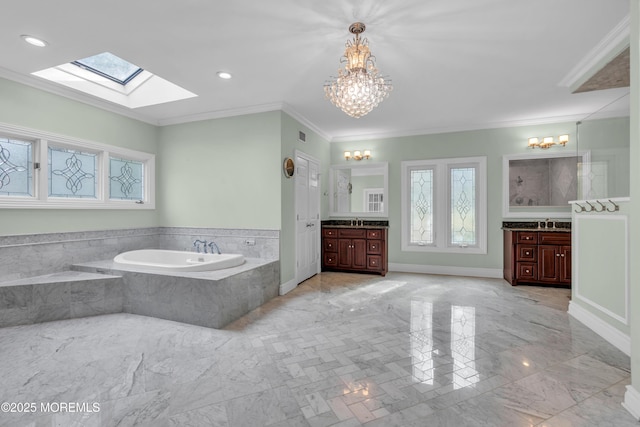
110	66
113	79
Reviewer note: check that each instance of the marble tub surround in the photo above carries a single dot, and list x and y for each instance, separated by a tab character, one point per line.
206	298
342	350
58	296
250	243
31	255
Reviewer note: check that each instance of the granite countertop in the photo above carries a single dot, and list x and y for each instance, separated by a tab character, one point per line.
346	223
552	226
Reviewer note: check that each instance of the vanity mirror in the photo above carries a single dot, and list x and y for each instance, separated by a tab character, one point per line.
541	185
359	190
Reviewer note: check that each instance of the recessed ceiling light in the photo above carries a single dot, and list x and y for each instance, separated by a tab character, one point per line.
224	75
34	40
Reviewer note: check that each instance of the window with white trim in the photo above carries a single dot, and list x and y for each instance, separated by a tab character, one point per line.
444	205
41	170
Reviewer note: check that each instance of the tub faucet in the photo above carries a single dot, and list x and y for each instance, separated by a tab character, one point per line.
212	246
197	243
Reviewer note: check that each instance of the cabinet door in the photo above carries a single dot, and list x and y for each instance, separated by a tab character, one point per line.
359	253
548	263
344	253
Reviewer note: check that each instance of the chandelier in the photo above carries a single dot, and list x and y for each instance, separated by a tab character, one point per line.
358	88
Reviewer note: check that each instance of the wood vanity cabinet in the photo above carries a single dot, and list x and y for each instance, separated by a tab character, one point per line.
539	257
354	249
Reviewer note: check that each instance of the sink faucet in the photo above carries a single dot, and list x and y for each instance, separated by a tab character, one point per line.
212	246
197	243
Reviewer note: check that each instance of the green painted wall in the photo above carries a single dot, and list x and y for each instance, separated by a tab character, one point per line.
317	147
25	106
221	173
493	143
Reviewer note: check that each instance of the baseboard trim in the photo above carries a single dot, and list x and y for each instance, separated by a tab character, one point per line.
618	339
632	402
288	286
492	273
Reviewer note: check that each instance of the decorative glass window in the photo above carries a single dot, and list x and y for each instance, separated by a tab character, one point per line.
444	205
110	66
44	171
16	167
463	206
72	173
126	179
421	216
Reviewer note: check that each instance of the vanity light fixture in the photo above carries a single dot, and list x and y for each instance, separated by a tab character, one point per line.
548	142
357	155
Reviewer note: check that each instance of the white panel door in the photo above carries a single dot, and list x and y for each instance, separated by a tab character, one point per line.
307	217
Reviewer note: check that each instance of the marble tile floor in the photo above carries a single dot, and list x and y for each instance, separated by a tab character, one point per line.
339	350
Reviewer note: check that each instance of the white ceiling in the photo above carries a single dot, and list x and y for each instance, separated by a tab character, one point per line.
455	65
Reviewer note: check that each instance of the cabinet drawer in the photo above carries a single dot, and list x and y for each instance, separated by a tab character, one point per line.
352	233
527	237
374	262
330	259
374	234
555	238
526	253
374	247
330	232
330	245
526	271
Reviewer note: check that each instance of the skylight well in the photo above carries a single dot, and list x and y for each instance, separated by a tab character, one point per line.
117	80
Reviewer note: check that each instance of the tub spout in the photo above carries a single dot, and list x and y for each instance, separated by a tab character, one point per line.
212	246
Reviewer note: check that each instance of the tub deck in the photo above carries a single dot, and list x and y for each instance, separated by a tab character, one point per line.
207	298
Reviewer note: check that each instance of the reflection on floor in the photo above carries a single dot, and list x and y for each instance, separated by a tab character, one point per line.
340	350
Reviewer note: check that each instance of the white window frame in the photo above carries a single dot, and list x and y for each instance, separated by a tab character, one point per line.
41	200
442	204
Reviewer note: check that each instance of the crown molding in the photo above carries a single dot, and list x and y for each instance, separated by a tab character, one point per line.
490	125
303	120
607	49
72	94
221	114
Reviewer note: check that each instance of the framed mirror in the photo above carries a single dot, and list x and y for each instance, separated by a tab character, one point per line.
359	190
541	185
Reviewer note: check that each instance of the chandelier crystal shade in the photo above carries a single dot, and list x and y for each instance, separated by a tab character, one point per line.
358	88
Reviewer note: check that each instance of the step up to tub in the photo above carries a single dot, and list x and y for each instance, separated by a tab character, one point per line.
58	296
